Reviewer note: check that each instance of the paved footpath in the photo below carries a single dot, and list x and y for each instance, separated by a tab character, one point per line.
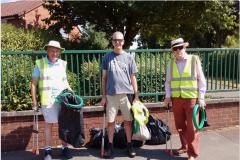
220	144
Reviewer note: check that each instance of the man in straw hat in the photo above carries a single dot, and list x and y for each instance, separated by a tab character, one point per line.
118	80
49	75
185	86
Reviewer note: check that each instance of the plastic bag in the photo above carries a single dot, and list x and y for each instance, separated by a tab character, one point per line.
140	113
142	134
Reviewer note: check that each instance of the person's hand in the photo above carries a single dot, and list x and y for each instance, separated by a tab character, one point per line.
103	101
168	101
202	103
70	90
136	98
35	108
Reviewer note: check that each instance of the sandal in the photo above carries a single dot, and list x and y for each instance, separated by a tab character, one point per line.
177	152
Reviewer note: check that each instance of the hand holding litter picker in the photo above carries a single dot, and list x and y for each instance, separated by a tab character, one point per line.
170	152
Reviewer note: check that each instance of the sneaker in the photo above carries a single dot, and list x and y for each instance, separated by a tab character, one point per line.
66	153
130	150
48	157
108	151
48	154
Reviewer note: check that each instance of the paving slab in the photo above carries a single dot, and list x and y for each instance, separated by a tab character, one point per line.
220	144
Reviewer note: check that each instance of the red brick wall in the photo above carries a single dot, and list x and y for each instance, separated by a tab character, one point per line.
16	131
34	18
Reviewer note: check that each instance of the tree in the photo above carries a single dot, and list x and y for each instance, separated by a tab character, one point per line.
159	20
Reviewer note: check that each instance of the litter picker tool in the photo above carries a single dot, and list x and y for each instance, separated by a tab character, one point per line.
35	147
168	151
103	135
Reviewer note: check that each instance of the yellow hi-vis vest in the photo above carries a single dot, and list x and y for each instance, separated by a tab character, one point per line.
184	85
44	82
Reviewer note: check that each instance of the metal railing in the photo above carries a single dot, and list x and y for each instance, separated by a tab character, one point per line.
220	66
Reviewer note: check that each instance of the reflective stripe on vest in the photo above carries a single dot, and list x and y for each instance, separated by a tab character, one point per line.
44	81
184	85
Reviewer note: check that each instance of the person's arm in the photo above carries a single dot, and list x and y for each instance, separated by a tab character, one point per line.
68	86
135	87
133	72
65	79
167	84
167	99
34	84
34	92
201	83
104	82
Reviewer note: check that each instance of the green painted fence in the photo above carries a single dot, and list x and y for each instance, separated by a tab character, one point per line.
220	66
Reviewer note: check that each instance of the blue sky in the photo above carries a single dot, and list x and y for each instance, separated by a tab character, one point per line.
5	1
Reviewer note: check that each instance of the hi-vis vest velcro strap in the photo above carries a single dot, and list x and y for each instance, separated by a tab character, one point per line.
184	85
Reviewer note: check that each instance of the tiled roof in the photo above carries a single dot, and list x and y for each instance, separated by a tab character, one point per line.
19	7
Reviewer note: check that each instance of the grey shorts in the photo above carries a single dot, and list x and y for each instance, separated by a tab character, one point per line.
51	112
116	102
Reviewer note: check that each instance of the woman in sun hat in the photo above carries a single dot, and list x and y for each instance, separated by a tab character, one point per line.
185	85
49	75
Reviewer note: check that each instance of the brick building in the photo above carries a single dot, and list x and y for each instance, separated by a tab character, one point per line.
30	14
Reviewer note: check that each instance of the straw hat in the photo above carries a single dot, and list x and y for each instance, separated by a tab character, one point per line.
55	44
179	42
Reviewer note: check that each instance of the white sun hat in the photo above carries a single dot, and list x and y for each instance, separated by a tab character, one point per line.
118	35
179	42
55	44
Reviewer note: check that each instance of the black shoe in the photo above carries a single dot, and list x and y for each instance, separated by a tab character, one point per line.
108	151
66	153
130	150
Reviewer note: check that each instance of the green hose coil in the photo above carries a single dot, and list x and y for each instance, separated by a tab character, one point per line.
194	118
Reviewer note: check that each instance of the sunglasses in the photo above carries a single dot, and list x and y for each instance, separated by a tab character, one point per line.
176	48
117	40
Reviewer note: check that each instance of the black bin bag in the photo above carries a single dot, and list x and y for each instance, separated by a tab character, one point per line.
159	131
96	137
70	121
119	139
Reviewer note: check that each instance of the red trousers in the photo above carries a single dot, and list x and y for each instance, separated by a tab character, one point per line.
189	136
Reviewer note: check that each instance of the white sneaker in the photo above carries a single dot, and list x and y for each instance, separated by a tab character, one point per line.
48	157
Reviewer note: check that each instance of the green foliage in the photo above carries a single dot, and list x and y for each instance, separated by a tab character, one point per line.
93	40
232	41
151	74
15	92
204	23
14	39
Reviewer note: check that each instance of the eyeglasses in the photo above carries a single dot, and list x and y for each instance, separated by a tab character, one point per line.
176	48
117	40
